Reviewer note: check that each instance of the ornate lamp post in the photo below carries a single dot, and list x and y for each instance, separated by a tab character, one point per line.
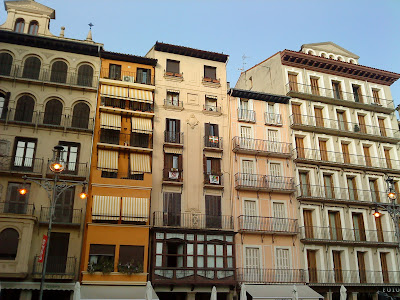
54	188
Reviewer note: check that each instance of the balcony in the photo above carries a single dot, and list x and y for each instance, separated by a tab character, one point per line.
127	107
352	277
57	267
124	76
72	170
114	139
268	225
174	139
192	221
338	159
273	119
40	76
214	181
211	82
259	275
337	236
173	104
212	108
173	76
21	165
17	208
172	176
245	115
213	143
331	96
264	183
339	195
261	147
346	129
62	216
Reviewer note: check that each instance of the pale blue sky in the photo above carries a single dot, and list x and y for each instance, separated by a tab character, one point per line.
257	29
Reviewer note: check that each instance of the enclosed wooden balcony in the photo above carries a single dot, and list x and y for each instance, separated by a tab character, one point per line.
268	225
264	183
267	276
261	147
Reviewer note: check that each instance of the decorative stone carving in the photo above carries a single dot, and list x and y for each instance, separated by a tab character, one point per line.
192	121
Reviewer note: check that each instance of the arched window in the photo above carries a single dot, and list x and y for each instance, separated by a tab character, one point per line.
5	63
331	56
59	72
32	68
323	55
33	27
24	109
19	26
9	239
80	116
340	58
85	75
53	112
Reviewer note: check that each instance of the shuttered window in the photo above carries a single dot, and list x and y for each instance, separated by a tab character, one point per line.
172	66
250	208
314	86
308	224
375	96
135	209
106	208
6	61
252	257
32	68
140	163
53	112
319	118
59	71
279	210
361	122
24	110
282	259
107	160
322	149
210	72
382	128
213	211
80	116
293	82
85	75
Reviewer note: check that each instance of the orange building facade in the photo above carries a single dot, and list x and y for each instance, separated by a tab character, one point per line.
116	240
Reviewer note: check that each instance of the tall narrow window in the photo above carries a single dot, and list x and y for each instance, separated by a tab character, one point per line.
246	135
384	266
143	76
305	184
33	28
337	266
319	119
31	68
6	61
15	202
358	225
213	211
80	116
24	109
367	156
53	112
70	156
345	153
379	229
114	72
172	209
296	111
323	150
293	86
375	96
280	223
335	226
373	187
172	67
361	122
210	72
361	267
173	131
352	188
300	147
275	178
9	239
64	206
342	120
4	101
382	128
337	90
328	185
24	154
308	224
387	158
252	264
282	264
85	75
312	266
59	71
314	86
357	93
19	25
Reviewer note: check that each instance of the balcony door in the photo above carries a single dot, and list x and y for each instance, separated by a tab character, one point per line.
361	267
300	147
275	178
337	90
250	218
379	230
213	211
314	86
246	137
293	82
173	131
58	253
345	153
312	266
64	208
373	187
172	209
252	272
384	267
305	188
335	227
319	118
280	222
211	135
24	154
115	72
283	273
358	225
342	121
361	123
352	188
308	224
382	128
337	266
70	155
15	202
248	176
296	111
328	186
367	156
273	139
323	150
388	159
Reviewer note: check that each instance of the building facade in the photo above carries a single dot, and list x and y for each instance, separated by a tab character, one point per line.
192	241
345	134
48	87
116	242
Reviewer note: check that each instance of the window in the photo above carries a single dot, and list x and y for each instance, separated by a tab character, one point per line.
250	207
337	90
58	253
304	184
172	209
384	266
33	28
337	266
70	155
357	93
299	141
323	150
358	225
367	155
335	225
213	212
101	258
172	167
248	177
213	166
15	202
387	158
373	187
6	61
210	72
64	206
328	185
131	259
253	264
352	188
245	112
319	117
361	123
85	75
140	140
211	135
375	96
282	259
4	101
19	26
312	265
293	86
32	68
172	131
361	267
345	153
308	224
314	86
172	98
382	128
59	70
53	112
296	111
342	120
143	76
280	222
114	72
80	116
9	239
275	178
210	104
24	109
24	154
172	67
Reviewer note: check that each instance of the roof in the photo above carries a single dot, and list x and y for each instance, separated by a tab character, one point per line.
348	53
258	96
180	50
129	58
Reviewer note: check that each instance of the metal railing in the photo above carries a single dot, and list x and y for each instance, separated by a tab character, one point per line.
192	221
346	235
214	108
115	137
46	75
172	174
264	182
193	275
351	277
214	179
127	104
312	121
173	137
214	142
67	216
306	191
347	158
15	164
261	146
18	208
246	115
133	77
338	95
57	266
72	169
272	119
173	103
268	224
259	275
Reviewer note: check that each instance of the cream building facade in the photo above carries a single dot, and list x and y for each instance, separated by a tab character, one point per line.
345	137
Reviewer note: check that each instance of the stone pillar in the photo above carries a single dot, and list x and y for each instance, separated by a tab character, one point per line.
375	296
353	296
26	295
231	294
190	295
328	296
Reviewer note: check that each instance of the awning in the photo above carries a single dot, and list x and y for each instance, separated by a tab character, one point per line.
173	150
213	154
142	125
281	291
173	91
212	97
135	209
94	292
106	207
140	163
107	160
141	95
114	91
10	285
110	121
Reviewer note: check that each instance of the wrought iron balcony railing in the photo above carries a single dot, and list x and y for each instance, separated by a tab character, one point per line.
58	267
127	104
65	216
214	142
246	115
173	137
72	169
18	208
15	164
261	147
268	225
347	235
264	182
133	77
273	119
212	108
214	179
172	174
173	103
260	275
192	221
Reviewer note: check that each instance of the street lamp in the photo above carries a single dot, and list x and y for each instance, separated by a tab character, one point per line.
54	189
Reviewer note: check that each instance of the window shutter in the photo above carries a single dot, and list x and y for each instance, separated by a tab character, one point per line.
180	164
207	129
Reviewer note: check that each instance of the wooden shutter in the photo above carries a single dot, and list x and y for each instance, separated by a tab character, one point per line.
361	267
337	266
252	257
308	224
361	122
282	259
4	110
387	158
329	188
213	211
172	66
367	156
319	119
375	95
216	130
373	186
216	166
358	224
53	112
296	111
346	155
206	130
384	266
80	115
379	230
314	86
323	151
312	266
300	147
382	128
293	82
335	226
59	71
32	68
250	208
24	109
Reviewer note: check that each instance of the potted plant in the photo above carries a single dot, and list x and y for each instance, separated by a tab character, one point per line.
130	268
356	128
104	266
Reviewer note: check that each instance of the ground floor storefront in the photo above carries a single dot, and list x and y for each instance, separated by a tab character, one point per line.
25	290
371	292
